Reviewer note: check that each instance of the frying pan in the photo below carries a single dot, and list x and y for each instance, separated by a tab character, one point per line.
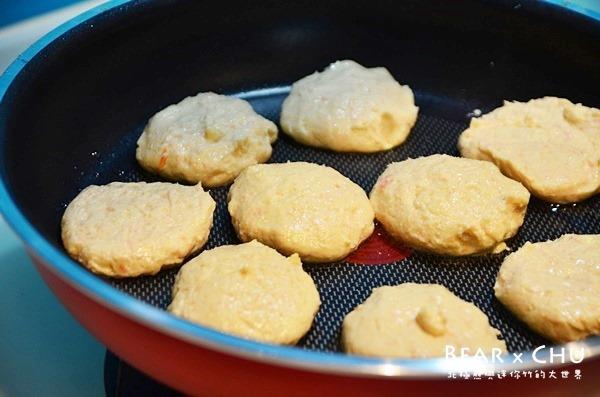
73	105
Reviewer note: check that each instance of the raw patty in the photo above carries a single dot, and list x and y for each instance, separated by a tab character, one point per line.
554	286
249	290
208	138
549	145
349	108
417	320
131	229
449	205
306	208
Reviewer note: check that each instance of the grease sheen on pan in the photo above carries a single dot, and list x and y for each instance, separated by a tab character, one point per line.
550	145
417	320
208	138
132	229
303	208
249	290
554	286
449	205
349	108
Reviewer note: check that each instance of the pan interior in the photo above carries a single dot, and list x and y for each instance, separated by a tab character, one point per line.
343	286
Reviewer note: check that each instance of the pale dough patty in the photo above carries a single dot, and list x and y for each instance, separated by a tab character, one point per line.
301	207
131	229
208	138
449	205
417	320
554	286
249	290
550	145
349	108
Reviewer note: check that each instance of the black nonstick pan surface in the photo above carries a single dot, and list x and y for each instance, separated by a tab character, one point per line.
83	105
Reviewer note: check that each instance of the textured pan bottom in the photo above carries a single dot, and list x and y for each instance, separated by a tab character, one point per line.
343	286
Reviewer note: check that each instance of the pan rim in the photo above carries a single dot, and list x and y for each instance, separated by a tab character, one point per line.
314	361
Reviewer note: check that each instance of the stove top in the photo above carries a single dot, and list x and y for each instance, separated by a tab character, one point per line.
121	379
